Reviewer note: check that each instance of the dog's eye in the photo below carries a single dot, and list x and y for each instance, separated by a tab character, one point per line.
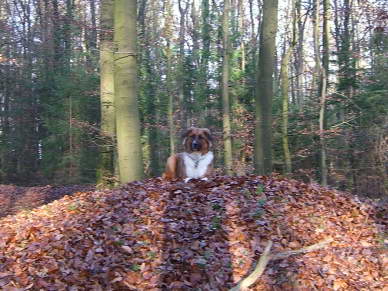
200	137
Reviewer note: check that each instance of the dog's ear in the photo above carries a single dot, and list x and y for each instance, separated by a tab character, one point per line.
187	132
208	134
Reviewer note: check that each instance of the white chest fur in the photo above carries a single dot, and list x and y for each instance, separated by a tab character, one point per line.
197	164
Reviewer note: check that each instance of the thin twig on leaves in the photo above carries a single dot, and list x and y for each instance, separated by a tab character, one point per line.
267	256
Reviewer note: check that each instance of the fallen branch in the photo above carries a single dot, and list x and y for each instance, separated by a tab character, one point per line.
259	270
266	257
308	249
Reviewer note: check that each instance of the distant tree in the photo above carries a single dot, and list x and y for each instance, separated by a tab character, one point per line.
150	81
183	7
227	133
300	24
169	74
284	87
322	69
324	77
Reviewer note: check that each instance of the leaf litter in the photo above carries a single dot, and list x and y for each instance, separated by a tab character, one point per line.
201	235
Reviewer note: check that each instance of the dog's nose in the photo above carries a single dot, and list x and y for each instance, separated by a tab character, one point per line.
196	145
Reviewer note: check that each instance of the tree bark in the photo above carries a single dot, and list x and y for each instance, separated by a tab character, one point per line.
322	91
284	88
299	56
264	89
284	84
108	126
181	66
225	91
169	78
125	82
324	86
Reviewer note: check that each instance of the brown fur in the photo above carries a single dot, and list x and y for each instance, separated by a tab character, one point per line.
175	168
204	137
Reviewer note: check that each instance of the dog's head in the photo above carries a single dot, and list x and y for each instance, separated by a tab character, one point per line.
197	140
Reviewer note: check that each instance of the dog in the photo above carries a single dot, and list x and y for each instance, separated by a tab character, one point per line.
196	162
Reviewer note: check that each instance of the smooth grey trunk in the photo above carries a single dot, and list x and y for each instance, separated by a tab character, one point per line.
105	172
264	89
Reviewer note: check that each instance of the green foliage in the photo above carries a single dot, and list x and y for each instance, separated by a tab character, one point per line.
216	223
73	96
135	267
259	190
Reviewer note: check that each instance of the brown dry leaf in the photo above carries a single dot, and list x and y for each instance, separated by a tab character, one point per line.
127	249
294	245
340	284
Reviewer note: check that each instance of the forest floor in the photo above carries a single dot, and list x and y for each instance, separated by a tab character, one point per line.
14	199
157	235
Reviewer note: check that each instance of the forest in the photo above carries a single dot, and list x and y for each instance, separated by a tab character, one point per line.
96	95
322	94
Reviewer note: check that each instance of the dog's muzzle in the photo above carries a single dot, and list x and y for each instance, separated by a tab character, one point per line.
195	145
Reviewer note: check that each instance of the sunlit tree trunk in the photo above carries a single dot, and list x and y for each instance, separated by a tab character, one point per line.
321	74
284	86
225	90
106	167
125	81
169	79
264	89
299	54
181	60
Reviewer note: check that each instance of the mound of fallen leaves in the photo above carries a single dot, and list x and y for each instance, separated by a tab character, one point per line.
16	198
155	235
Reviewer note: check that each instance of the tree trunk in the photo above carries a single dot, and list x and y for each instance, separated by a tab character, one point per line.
264	89
206	49
321	74
91	36
106	167
169	79
299	56
225	91
284	87
149	24
324	86
323	157
181	66
284	84
125	82
93	32
67	34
